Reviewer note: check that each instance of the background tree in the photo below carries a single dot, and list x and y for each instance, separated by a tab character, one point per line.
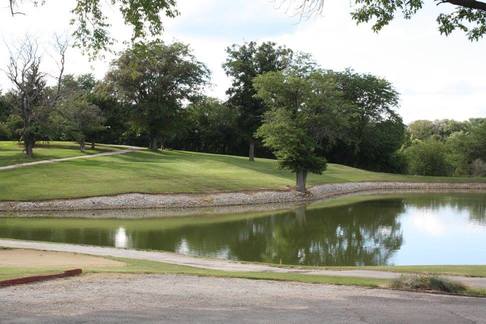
303	117
243	64
5	112
92	25
468	16
428	158
24	72
209	126
156	80
75	116
116	115
33	102
374	131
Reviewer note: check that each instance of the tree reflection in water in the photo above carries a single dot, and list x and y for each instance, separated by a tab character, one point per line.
364	233
348	235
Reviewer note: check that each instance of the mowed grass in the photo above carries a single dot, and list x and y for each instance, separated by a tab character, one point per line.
169	172
151	267
12	152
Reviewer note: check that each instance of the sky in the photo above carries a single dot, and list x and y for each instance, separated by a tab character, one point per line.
437	77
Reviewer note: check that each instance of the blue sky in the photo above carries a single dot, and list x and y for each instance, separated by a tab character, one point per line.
437	76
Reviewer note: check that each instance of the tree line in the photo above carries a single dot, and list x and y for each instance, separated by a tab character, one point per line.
280	103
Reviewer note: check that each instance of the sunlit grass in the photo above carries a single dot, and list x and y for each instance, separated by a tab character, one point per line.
12	152
169	172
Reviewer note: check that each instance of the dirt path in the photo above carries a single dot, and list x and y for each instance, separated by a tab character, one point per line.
187	299
27	164
18	258
215	264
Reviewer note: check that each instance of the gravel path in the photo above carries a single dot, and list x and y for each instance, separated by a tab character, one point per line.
140	201
214	264
27	164
170	298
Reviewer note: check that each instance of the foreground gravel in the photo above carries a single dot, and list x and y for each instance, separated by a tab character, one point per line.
169	298
137	200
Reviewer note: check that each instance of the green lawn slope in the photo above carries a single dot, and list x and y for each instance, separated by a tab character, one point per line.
166	172
12	152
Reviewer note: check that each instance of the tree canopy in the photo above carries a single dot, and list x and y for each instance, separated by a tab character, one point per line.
92	24
243	64
303	116
468	16
156	80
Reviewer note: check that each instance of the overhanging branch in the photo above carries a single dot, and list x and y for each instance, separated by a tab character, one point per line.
471	4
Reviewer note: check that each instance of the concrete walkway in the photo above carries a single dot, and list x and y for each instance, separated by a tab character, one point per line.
27	164
214	264
108	298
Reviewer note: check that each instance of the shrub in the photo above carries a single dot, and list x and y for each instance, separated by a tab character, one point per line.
425	282
478	168
428	158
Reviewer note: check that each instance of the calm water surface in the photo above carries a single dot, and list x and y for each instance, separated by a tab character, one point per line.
409	229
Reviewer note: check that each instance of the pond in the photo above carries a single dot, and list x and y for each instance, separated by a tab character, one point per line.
405	229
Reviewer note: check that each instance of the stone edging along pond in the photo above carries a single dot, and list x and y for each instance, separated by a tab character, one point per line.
140	201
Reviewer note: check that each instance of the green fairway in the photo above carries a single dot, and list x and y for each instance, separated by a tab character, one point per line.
12	152
167	172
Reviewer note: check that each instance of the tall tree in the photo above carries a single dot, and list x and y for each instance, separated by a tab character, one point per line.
211	126
157	80
33	102
374	101
74	114
92	24
303	117
243	64
468	16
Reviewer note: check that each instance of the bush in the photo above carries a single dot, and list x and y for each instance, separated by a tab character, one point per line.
428	158
478	168
424	282
5	132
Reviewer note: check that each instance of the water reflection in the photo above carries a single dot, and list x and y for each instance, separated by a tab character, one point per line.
121	238
406	229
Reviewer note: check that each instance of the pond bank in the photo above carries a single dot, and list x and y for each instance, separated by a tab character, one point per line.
225	199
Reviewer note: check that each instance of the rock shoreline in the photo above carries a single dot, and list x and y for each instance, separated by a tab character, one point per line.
225	199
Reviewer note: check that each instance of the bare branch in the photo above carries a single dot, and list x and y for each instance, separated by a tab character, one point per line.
62	45
12	10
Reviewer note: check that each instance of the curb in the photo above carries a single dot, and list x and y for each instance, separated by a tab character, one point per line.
33	279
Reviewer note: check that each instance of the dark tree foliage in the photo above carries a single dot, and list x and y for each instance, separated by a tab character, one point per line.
304	114
209	126
116	116
374	131
243	64
156	80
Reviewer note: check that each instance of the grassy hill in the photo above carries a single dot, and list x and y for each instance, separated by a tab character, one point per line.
164	172
12	152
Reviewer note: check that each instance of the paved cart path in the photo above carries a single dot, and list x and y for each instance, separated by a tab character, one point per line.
214	264
129	149
105	298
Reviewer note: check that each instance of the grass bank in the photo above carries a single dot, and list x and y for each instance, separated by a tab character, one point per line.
171	172
12	152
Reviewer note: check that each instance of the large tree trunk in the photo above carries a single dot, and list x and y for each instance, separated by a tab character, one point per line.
154	144
82	145
301	180
29	146
251	153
